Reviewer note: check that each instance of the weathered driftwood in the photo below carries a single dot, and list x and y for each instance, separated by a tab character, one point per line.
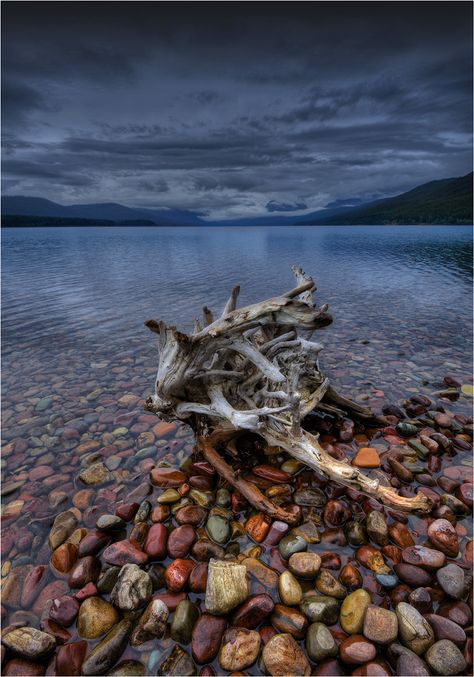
255	369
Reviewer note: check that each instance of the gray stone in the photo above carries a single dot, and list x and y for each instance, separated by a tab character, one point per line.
320	643
320	609
109	523
445	658
415	632
218	528
291	544
132	589
29	642
107	652
451	579
152	623
184	618
377	527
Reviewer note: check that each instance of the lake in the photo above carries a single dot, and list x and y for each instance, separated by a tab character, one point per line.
78	361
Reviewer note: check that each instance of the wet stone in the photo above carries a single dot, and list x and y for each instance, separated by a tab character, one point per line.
124	552
227	586
444	658
128	669
326	584
177	574
64	610
288	620
63	526
356	650
96	474
451	579
445	629
253	611
20	667
282	656
423	557
107	652
206	637
191	514
352	611
151	624
155	545
408	663
320	609
218	528
29	642
183	622
304	564
86	570
377	528
239	650
414	576
107	579
415	632
92	543
69	659
380	625
180	541
96	617
167	477
110	523
177	664
291	544
132	589
444	537
289	589
320	643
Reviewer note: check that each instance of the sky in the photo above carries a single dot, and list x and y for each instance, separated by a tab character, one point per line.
234	109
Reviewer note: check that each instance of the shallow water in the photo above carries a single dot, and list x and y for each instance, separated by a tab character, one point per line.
73	306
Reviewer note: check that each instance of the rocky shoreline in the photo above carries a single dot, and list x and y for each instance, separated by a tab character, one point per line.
146	563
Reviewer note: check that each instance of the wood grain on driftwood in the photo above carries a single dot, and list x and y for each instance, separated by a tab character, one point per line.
256	369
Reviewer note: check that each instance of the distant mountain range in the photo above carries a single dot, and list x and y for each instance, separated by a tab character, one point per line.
448	201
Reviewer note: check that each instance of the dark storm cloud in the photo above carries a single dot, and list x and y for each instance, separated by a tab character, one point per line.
234	108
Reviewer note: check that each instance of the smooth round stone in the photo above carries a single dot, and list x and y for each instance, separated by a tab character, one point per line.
320	609
177	663
289	589
107	652
167	477
198	578
282	656
423	557
218	528
69	659
414	576
64	610
420	598
415	632
190	514
20	667
177	574
356	533
253	611
206	637
132	589
444	537
223	498
180	541
96	617
387	580
377	527
86	570
184	618
451	579
239	649
377	667
445	629
458	612
124	552
286	619
29	642
92	543
308	531
350	577
110	523
352	611
156	541
326	584
336	513
64	557
356	650
128	669
380	625
169	496
290	544
160	513
408	663
444	658
304	564
63	526
320	643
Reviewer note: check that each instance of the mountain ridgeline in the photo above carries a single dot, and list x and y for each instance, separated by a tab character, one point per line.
447	202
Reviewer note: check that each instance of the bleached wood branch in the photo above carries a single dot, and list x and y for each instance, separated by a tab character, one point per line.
254	369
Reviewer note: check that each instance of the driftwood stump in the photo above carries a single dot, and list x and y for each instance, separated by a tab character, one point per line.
256	370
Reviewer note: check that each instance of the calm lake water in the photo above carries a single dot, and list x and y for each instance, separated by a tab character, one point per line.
78	361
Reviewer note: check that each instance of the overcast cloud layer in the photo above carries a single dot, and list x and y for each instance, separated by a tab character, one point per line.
234	109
